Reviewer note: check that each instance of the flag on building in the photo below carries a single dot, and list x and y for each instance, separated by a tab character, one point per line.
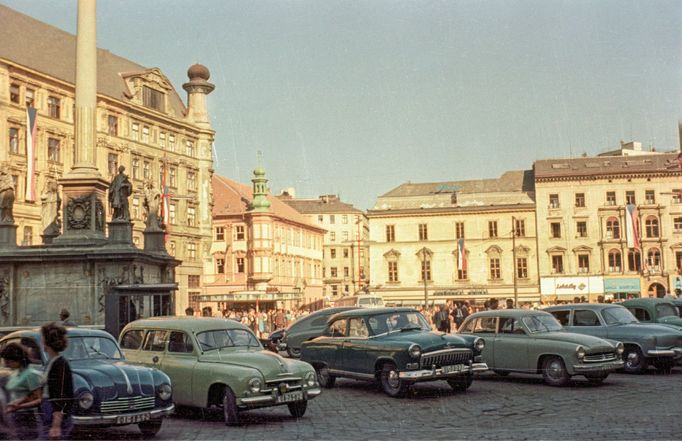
31	137
461	256
632	226
165	198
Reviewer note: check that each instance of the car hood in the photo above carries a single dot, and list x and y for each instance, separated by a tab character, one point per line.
671	320
643	330
428	341
269	364
589	342
110	379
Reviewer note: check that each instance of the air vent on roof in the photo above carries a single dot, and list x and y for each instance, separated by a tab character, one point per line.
562	165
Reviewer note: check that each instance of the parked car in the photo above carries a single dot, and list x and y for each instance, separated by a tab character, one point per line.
306	328
645	344
107	390
393	346
655	311
272	341
218	362
527	341
678	304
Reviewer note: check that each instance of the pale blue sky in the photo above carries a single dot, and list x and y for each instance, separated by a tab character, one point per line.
356	97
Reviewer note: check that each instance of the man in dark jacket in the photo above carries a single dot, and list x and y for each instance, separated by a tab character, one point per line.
442	319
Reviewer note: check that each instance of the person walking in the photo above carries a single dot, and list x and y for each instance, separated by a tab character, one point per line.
23	387
64	320
58	387
442	320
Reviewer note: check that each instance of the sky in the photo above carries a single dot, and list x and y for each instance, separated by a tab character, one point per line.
357	97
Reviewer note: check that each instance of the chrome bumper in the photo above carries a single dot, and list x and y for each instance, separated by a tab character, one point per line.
104	420
598	367
270	399
430	374
672	352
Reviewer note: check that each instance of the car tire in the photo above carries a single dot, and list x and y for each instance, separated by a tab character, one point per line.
391	383
230	411
635	363
554	371
294	353
325	379
461	384
150	428
501	373
297	410
596	379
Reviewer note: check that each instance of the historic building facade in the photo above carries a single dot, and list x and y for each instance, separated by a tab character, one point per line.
417	232
142	124
346	248
609	225
265	254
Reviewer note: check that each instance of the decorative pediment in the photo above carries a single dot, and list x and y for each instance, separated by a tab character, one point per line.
582	249
424	252
153	78
556	249
392	254
493	249
676	245
521	249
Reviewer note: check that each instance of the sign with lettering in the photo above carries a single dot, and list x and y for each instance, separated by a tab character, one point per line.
628	285
576	286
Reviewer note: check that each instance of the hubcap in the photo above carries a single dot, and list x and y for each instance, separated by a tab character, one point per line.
555	370
633	359
393	379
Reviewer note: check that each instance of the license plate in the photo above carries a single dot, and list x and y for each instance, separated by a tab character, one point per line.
129	419
290	397
452	369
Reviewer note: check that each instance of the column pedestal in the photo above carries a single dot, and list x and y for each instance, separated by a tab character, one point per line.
155	241
8	236
121	232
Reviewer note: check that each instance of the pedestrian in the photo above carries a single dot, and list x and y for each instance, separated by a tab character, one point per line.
280	319
442	320
58	386
510	303
25	393
458	314
189	311
64	315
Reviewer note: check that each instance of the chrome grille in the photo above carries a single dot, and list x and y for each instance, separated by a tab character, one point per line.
128	404
293	383
603	356
445	357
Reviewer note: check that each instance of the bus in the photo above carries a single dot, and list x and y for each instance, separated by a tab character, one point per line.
361	301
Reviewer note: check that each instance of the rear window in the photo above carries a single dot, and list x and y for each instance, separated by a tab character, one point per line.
180	342
561	316
132	339
485	325
156	341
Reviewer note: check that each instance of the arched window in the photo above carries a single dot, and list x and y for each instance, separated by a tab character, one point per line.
612	228
651	225
615	261
653	259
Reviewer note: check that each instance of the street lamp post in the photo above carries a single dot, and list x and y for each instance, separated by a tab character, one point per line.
516	295
426	291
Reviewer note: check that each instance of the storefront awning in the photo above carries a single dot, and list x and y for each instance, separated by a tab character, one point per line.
622	284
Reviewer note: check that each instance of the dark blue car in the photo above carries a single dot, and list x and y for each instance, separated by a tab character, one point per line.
107	390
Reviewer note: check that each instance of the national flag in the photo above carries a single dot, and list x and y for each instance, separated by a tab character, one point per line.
632	226
165	198
31	137
461	256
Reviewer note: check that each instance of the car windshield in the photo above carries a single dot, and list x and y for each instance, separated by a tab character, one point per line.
665	310
542	323
82	348
618	316
370	301
227	338
397	321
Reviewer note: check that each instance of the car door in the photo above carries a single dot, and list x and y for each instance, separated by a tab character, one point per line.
131	345
587	321
329	347
510	345
486	327
153	348
179	362
353	354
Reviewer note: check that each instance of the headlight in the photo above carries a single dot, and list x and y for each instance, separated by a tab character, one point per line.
165	392
310	379
415	351
85	400
620	348
479	344
580	352
254	385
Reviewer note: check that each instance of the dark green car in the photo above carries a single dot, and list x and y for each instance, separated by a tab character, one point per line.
655	311
393	346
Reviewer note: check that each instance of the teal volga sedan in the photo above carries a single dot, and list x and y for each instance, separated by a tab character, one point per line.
394	347
527	341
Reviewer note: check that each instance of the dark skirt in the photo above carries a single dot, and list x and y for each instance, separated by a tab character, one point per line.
46	410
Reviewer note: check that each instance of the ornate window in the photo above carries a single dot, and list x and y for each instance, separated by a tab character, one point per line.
615	261
557	264
612	228
521	268
53	106
14	140
653	259
135	131
54	150
220	266
135	165
651	226
191	216
494	265
583	263
634	260
152	98
393	271
112	125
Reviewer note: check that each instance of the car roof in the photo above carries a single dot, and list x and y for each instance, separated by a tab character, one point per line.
635	302
515	313
70	332
329	311
592	306
364	312
186	323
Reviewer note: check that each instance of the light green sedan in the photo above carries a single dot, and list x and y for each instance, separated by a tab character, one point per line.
520	340
219	362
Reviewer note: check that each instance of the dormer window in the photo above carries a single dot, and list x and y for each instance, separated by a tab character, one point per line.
153	98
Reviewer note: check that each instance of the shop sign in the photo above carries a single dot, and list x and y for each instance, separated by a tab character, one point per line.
630	285
576	286
461	292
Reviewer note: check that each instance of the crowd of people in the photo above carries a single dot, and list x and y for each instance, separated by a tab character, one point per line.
38	403
262	323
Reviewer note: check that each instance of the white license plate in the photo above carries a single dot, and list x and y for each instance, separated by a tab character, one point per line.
290	397
453	368
129	419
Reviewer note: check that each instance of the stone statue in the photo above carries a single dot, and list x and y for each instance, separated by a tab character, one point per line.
151	203
119	191
6	197
50	209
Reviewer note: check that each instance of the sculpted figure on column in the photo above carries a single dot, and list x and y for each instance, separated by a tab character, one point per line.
50	208
6	196
119	191
151	203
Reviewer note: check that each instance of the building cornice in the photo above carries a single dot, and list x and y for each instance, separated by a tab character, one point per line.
449	211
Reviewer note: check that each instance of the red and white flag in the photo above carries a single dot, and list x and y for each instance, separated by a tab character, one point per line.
632	226
461	256
31	137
